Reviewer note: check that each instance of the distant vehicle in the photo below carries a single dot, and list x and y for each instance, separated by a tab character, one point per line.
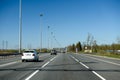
30	55
62	51
53	52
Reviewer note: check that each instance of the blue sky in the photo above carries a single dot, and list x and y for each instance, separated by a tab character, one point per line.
69	20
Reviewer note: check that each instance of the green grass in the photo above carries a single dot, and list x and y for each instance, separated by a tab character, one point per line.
109	55
8	51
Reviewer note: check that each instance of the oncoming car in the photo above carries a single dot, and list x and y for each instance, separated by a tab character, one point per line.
30	55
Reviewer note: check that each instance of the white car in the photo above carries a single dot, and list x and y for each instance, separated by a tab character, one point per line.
30	55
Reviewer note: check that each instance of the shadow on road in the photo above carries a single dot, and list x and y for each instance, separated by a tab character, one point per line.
67	70
67	64
35	61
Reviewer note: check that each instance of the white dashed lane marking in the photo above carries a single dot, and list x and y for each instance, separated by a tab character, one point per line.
35	72
102	78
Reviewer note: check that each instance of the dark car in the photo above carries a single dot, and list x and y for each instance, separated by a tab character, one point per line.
53	52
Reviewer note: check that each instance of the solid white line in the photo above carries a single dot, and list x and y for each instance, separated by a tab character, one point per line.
29	77
3	65
98	75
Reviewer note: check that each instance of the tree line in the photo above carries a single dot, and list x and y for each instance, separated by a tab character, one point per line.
91	44
95	47
73	47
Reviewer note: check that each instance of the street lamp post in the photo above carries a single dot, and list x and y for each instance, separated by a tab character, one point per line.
6	44
48	37
41	36
3	44
51	39
20	26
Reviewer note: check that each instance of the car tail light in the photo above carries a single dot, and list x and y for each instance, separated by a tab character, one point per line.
33	54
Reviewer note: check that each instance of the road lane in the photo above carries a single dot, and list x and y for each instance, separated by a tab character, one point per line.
64	68
102	78
35	72
15	59
9	59
20	70
107	70
109	59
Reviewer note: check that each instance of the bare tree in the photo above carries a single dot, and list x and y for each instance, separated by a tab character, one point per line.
91	40
95	46
118	40
88	39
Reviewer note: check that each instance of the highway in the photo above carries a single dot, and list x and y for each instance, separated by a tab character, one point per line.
63	66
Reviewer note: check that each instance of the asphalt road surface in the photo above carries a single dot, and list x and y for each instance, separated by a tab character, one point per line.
64	66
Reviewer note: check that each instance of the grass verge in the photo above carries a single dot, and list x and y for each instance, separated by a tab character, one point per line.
107	54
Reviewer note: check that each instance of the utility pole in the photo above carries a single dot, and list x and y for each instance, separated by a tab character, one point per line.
20	26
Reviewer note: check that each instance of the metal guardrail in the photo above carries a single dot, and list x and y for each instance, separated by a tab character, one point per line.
9	54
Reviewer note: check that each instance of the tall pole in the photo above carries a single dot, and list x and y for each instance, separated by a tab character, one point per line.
51	39
3	44
20	26
48	37
41	35
6	44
